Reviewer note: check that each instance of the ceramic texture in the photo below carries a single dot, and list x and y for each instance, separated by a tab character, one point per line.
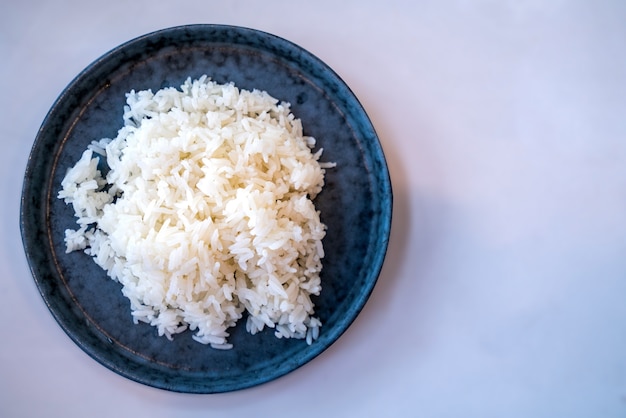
356	204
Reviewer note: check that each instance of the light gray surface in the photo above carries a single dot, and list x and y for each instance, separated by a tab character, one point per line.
504	125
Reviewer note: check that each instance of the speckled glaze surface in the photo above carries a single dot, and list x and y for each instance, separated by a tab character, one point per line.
356	204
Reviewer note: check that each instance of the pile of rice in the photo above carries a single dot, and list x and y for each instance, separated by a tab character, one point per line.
205	212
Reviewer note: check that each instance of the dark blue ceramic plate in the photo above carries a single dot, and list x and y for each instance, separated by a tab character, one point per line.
355	204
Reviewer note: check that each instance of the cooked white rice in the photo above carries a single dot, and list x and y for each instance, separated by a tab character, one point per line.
206	212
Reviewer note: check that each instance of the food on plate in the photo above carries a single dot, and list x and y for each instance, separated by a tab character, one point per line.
202	209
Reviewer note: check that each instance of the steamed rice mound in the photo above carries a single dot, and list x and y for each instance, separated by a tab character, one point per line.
203	210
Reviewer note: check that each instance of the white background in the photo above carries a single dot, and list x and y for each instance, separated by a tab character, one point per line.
504	290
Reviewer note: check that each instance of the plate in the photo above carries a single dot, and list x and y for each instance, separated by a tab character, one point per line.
355	204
